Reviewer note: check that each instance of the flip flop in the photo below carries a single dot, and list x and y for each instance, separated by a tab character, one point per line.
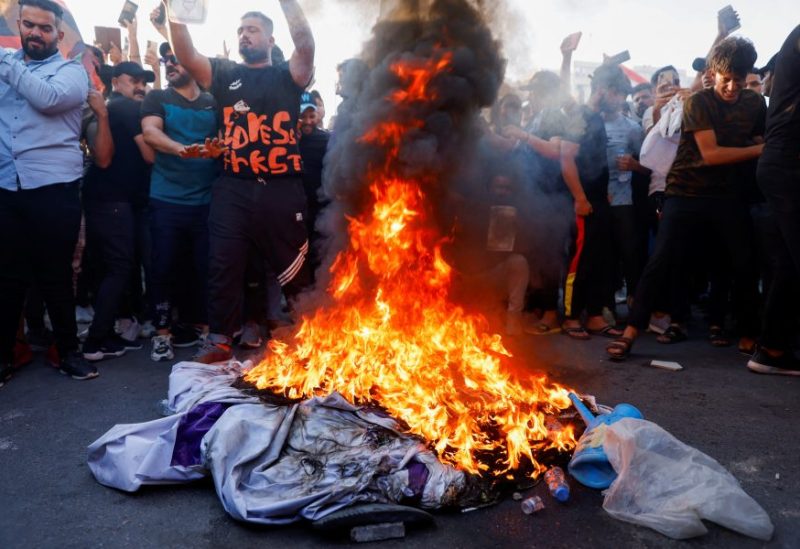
542	329
606	331
576	332
620	348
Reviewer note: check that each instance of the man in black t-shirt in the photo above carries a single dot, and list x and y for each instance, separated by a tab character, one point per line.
259	199
779	180
722	127
114	200
313	146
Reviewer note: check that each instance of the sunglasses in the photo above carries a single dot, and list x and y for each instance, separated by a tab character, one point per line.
169	59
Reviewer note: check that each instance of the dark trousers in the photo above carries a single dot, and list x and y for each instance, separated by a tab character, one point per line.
780	236
39	230
267	216
589	273
179	237
134	301
110	228
625	243
684	220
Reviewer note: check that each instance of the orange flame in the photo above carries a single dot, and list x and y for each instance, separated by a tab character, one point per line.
392	337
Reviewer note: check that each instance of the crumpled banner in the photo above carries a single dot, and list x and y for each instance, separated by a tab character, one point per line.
272	464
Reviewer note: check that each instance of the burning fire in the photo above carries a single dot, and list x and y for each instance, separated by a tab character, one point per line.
392	337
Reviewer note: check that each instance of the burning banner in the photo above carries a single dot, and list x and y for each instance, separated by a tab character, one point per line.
385	340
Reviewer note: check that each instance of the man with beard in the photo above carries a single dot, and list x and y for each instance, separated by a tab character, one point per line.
642	99
259	200
115	201
722	127
180	123
313	146
41	100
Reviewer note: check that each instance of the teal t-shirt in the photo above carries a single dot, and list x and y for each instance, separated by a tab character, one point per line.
174	179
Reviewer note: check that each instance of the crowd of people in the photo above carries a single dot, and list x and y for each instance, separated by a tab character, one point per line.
185	211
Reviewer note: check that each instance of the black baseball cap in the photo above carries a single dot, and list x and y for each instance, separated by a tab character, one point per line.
134	70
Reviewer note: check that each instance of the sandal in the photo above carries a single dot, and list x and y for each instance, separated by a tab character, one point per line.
542	329
606	331
746	349
718	338
576	332
673	334
620	348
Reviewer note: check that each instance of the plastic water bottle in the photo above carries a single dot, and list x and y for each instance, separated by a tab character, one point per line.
532	505
557	484
624	176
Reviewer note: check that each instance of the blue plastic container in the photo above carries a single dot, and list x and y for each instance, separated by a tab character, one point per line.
589	464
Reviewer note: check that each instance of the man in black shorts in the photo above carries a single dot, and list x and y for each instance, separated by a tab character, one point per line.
259	198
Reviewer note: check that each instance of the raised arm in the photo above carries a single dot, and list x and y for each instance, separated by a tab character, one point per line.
301	64
65	90
134	53
196	63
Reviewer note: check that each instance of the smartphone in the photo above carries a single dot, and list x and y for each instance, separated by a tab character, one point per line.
618	59
128	13
152	48
729	19
574	39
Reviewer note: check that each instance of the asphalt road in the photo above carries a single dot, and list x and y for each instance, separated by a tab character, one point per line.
48	498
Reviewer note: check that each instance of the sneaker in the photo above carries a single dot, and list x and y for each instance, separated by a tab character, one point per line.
134	345
210	352
659	324
84	315
98	350
75	366
129	328
251	336
184	336
147	330
162	348
764	363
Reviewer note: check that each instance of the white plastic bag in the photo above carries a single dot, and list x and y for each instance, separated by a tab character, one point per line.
670	487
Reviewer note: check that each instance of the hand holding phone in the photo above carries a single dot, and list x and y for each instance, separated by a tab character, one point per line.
570	43
128	13
728	20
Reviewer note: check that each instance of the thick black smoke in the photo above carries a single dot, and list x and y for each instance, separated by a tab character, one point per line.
443	148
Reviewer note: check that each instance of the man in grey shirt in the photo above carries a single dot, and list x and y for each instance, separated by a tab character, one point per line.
41	103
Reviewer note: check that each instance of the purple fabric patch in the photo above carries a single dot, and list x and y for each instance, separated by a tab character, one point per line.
191	430
417	478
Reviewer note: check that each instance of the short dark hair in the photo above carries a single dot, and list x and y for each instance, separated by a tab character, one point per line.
269	26
544	83
611	77
654	78
735	55
47	5
316	95
642	87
